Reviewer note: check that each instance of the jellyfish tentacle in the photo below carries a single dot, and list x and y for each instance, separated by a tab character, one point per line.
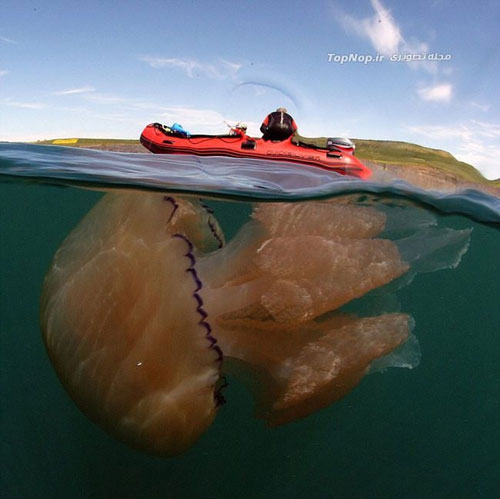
302	261
294	372
327	219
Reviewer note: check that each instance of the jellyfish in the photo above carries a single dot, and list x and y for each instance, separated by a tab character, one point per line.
145	307
124	324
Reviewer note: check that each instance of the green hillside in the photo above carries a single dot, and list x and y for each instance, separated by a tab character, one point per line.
405	153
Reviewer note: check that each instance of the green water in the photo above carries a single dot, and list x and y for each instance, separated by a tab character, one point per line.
429	432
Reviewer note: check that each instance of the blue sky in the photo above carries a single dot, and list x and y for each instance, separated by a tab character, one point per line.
107	68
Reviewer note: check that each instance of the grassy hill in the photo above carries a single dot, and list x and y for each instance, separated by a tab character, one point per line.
405	153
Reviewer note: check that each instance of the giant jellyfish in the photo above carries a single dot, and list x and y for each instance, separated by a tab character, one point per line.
145	308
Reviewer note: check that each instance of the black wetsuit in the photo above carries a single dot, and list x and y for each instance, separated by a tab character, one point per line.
278	126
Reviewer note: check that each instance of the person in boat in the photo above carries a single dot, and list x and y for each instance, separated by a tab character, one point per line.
278	125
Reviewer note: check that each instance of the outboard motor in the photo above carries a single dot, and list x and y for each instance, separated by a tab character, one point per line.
333	143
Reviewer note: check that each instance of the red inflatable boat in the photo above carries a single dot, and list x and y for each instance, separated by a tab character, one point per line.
338	155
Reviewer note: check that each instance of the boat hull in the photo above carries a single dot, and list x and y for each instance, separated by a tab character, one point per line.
339	159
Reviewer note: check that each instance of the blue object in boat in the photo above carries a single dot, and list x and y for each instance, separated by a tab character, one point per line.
178	128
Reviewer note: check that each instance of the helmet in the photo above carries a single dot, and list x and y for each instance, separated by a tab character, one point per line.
281	110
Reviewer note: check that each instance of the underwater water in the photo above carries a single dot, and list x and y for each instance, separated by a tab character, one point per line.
431	430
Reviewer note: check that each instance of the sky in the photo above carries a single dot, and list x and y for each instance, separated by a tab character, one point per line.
107	68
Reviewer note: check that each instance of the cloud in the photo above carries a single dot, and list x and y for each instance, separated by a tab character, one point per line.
471	130
481	107
102	98
73	91
7	40
72	109
483	156
474	142
440	93
26	105
440	131
385	35
3	72
486	129
193	69
111	115
231	66
381	29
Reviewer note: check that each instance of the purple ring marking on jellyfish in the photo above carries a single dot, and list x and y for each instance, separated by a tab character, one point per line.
214	232
197	296
219	399
205	206
211	224
170	199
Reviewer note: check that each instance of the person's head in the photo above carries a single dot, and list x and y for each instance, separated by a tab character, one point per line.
281	110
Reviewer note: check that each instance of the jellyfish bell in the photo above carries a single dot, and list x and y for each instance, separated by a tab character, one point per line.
124	324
